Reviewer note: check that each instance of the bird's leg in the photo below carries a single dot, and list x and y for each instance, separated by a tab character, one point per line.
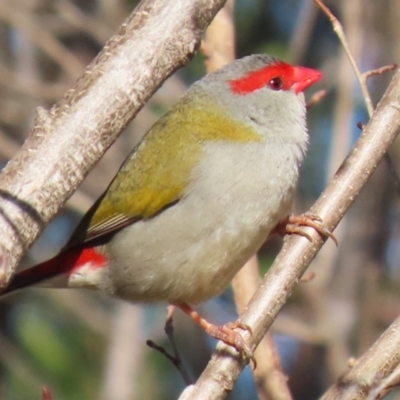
294	224
225	332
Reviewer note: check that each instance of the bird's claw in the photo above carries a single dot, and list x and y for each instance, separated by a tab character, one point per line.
229	336
294	224
226	332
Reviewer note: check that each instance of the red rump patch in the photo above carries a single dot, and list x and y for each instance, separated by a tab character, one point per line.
257	79
89	255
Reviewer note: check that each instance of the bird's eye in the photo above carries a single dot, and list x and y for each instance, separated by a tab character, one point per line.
275	83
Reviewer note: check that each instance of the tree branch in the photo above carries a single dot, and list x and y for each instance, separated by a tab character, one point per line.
377	363
66	142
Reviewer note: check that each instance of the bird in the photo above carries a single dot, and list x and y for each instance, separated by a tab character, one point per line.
207	185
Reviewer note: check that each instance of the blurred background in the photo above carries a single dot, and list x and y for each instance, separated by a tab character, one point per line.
83	345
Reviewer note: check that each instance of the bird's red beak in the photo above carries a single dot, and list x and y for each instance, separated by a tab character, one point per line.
304	78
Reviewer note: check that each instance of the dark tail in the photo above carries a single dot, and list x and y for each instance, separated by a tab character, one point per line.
44	273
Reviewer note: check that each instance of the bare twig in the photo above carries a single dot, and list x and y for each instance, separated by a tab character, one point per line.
297	252
362	80
380	71
308	277
361	77
338	28
374	365
169	330
164	352
175	358
315	98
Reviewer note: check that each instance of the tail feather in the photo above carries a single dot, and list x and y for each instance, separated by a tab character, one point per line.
47	273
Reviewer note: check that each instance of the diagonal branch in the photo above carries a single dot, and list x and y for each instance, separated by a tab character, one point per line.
297	252
377	363
67	141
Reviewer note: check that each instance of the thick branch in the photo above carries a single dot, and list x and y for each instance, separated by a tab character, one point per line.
297	252
66	142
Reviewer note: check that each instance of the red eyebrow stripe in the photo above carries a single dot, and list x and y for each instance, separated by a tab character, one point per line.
257	79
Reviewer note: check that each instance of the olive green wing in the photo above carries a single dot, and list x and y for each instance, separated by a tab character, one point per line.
151	179
156	173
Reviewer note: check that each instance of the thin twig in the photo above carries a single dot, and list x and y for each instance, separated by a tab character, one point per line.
164	352
362	80
338	28
175	358
380	71
169	330
308	277
315	98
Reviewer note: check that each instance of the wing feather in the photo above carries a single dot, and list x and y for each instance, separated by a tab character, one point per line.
157	172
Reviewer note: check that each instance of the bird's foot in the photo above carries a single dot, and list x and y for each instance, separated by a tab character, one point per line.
229	336
294	224
226	332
